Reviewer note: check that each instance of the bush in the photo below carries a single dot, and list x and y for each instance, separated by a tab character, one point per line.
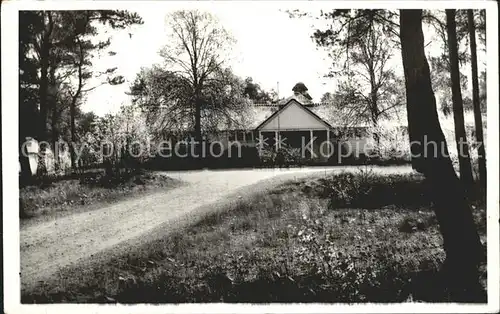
349	190
287	156
369	190
412	224
390	145
56	194
372	191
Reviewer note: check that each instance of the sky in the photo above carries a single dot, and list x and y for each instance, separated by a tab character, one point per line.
273	49
270	47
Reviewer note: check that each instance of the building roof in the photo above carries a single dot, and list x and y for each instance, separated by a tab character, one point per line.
293	100
256	115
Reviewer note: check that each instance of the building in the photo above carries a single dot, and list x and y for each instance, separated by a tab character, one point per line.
298	125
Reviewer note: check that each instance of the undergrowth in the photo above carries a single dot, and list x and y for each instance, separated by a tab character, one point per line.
46	196
342	238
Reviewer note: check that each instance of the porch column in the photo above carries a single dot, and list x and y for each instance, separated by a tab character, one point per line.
311	142
261	143
244	136
251	137
276	140
328	144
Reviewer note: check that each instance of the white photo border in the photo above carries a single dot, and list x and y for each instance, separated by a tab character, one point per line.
10	124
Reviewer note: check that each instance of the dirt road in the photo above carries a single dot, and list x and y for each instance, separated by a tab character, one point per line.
48	246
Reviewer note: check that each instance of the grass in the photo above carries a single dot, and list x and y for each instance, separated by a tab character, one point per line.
344	238
46	197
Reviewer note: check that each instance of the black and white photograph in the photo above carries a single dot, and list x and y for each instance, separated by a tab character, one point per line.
250	156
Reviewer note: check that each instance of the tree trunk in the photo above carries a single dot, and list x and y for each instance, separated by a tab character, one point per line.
460	238
73	135
44	64
197	128
458	108
475	100
27	129
72	108
24	163
197	131
55	115
55	137
45	46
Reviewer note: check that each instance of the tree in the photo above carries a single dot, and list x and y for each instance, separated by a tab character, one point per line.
86	122
363	42
482	91
79	26
119	141
481	26
195	54
458	109
441	82
429	150
55	59
225	104
28	84
254	92
327	98
132	135
475	99
437	19
460	238
47	35
440	65
163	95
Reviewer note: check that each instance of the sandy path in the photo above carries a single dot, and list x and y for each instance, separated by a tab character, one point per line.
48	246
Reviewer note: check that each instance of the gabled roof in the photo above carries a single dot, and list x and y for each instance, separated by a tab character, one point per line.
290	101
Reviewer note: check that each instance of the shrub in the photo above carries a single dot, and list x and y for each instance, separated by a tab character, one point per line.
288	155
369	190
390	144
349	190
56	194
412	224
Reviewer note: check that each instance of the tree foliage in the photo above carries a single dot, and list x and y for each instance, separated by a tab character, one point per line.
441	83
164	97
350	27
55	56
361	45
120	140
255	93
56	50
195	54
327	98
440	65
